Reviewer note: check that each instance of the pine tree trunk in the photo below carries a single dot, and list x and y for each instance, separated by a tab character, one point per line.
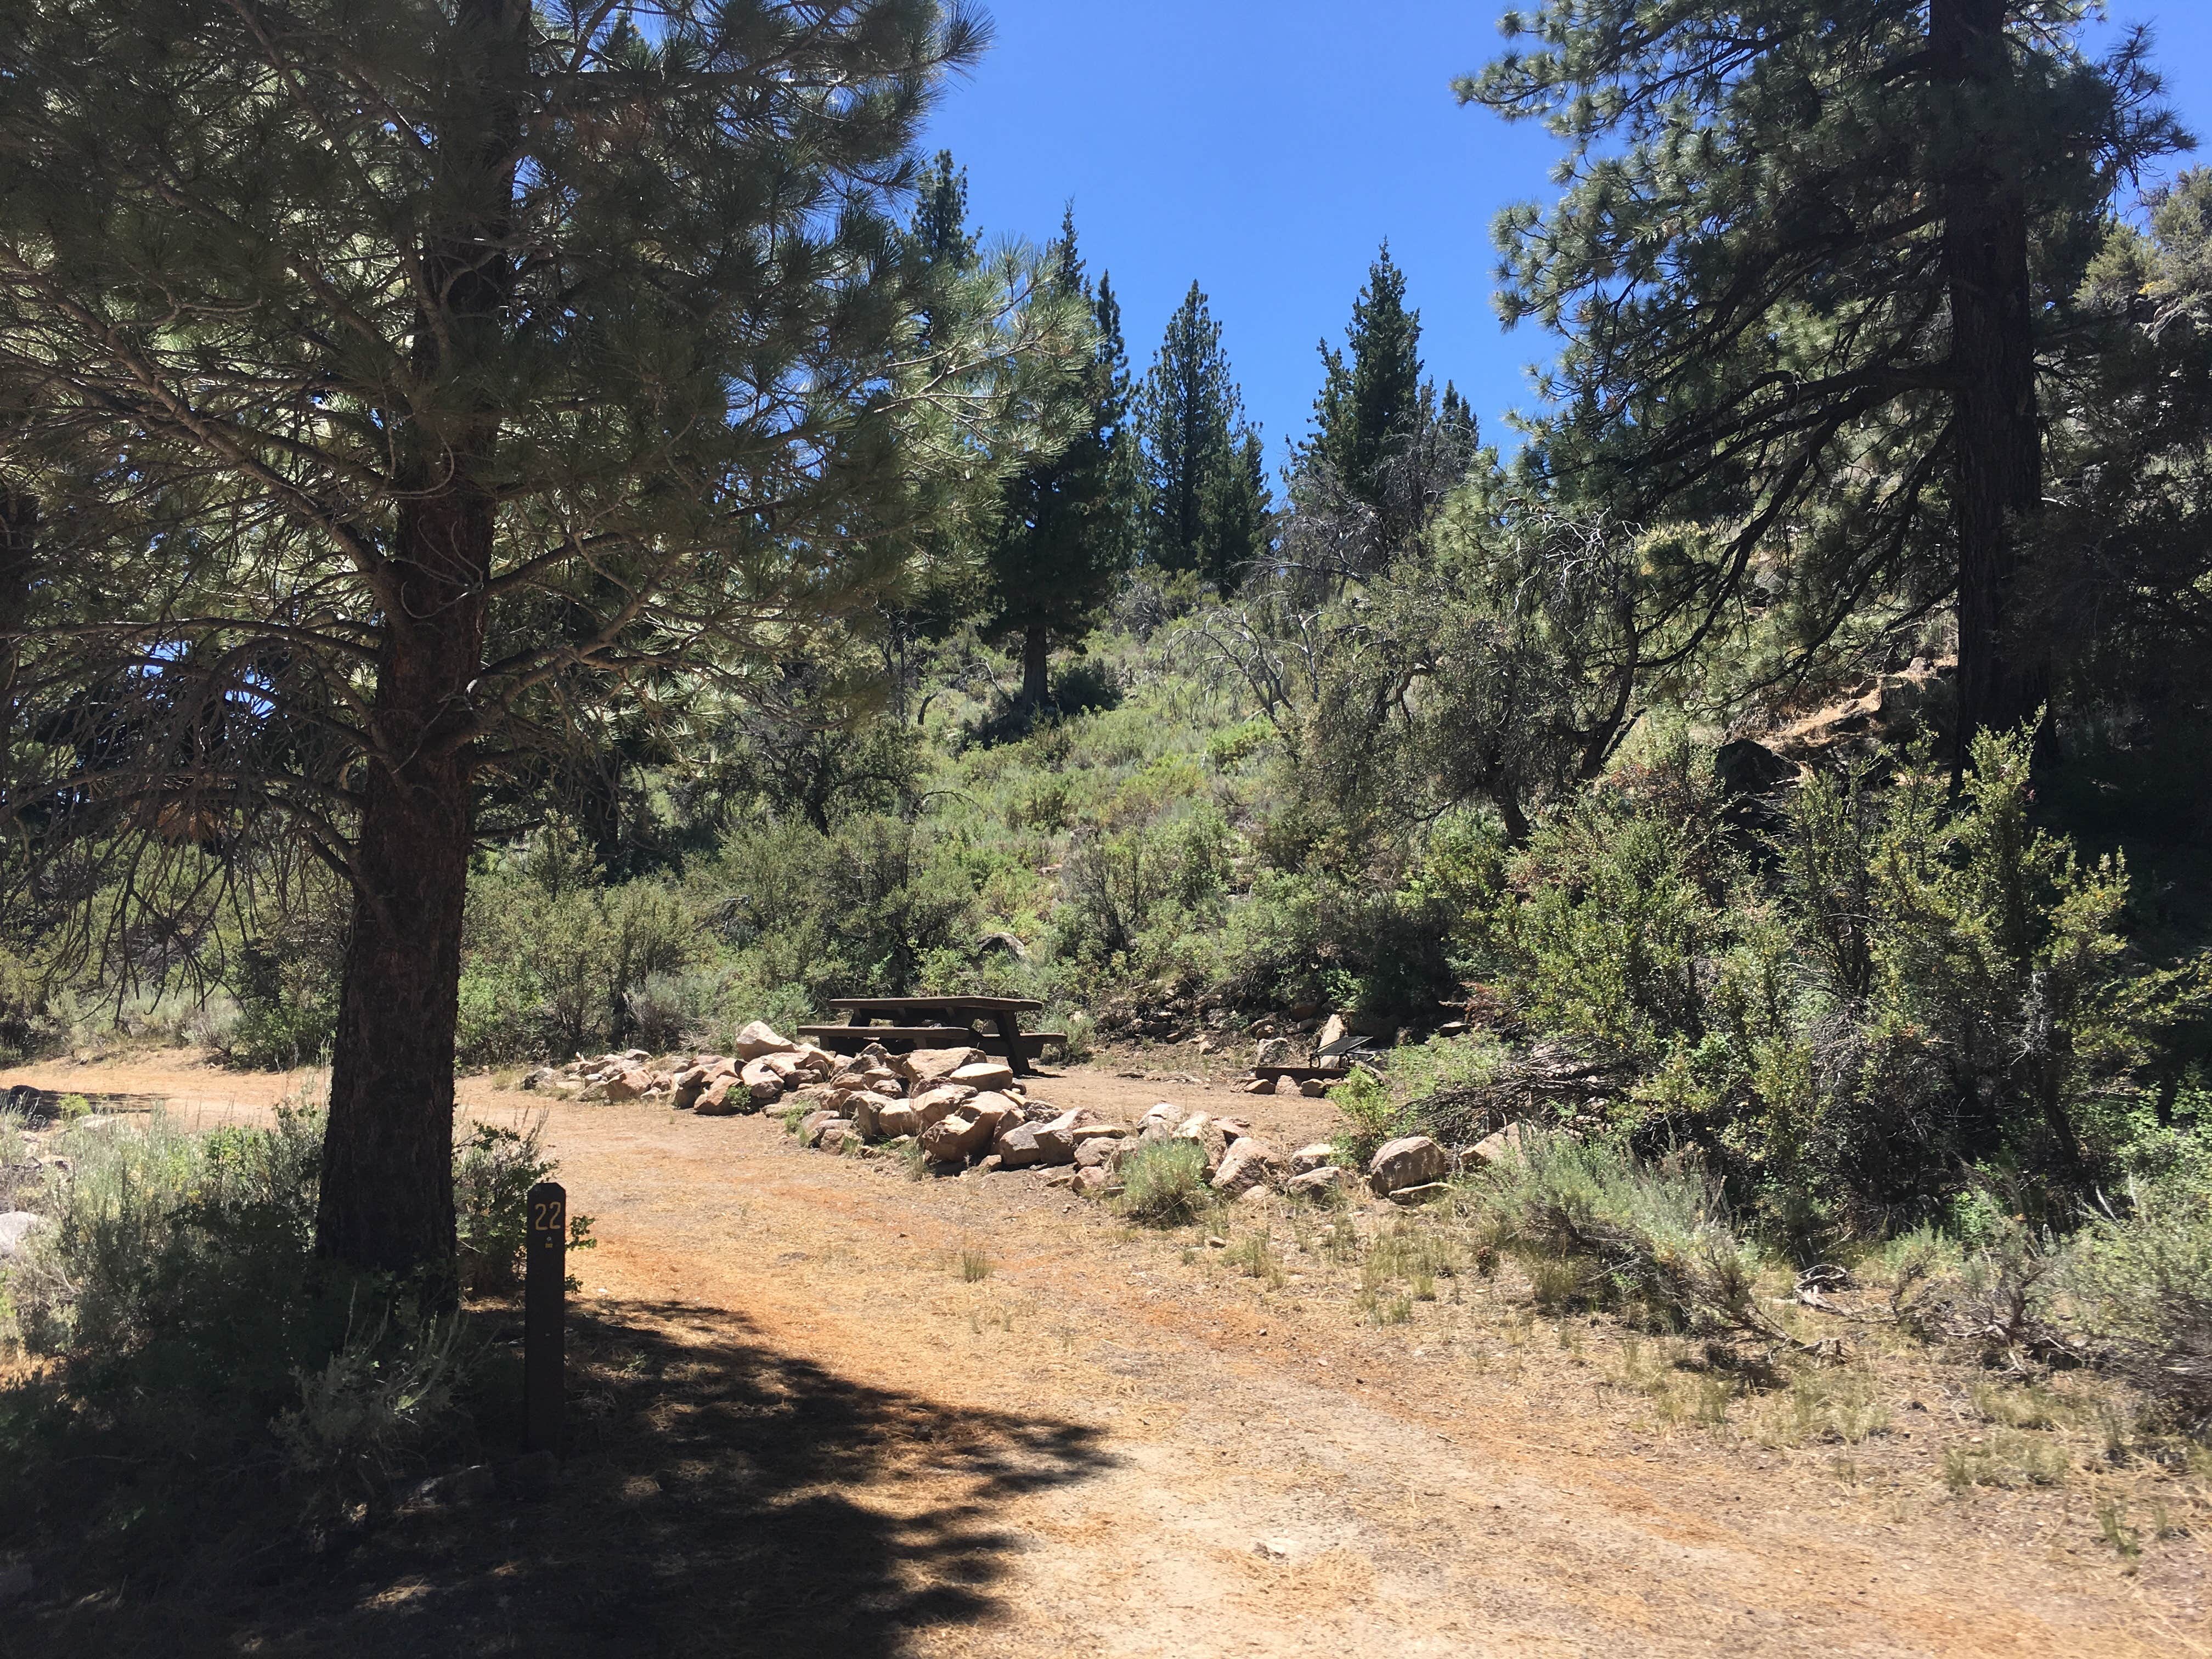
19	531
387	1184
1036	661
1996	439
387	1203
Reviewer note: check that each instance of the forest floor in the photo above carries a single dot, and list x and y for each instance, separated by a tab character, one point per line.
819	1408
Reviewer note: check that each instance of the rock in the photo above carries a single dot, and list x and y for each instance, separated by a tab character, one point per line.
1087	1133
1159	1122
694	1083
984	1074
759	1038
816	1063
1056	1139
946	1099
1250	1162
1408	1161
1252	1197
1332	1031
955	1138
1314	1156
1017	1147
724	1097
544	1078
788	1068
1326	1181
630	1083
1498	1147
1410	1196
865	1108
1277	1051
1207	1134
16	1227
999	1111
897	1120
1233	1128
1312	1088
935	1065
1100	1154
812	1126
1260	1085
1285	1086
1094	1183
838	1133
761	1078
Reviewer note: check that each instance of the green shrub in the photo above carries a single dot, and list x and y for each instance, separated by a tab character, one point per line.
1163	1184
495	1167
2138	1291
1654	1237
1371	1116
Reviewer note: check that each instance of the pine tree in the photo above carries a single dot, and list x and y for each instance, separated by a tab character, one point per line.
1809	257
1372	402
1207	508
1068	526
484	372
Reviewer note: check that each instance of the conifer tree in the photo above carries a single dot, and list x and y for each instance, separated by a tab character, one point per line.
483	370
1372	402
1067	525
1813	260
1208	507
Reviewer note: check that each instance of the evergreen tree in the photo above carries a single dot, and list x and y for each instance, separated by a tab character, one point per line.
1372	402
483	371
1067	527
1812	258
1207	508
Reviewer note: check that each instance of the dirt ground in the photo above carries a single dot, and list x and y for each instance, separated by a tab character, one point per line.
800	1427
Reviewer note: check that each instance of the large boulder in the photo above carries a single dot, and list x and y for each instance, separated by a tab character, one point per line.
1495	1148
1278	1051
1408	1161
984	1074
1250	1162
941	1101
841	1134
1056	1139
957	1138
1207	1134
1332	1031
1000	1111
812	1126
1017	1147
896	1118
724	1097
1318	1155
630	1083
761	1082
1100	1154
1159	1120
759	1038
934	1065
1325	1182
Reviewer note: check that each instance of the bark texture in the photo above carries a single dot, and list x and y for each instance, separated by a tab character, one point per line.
387	1200
1997	437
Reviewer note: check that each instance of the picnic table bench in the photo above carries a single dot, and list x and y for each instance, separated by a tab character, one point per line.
936	1023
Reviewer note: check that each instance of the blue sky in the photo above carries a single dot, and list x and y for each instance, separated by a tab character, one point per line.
1266	149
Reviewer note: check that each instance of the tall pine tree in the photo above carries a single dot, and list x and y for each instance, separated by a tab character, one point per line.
1068	528
1813	260
1207	508
1372	404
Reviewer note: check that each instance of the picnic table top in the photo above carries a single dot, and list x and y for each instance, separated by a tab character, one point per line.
983	1005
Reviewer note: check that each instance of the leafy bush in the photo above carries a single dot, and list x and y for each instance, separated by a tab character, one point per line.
1163	1184
495	1167
1371	1116
2138	1290
1653	1237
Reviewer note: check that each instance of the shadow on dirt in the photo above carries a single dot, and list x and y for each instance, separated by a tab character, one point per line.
720	1498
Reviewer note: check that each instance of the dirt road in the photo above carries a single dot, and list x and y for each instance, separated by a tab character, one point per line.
804	1428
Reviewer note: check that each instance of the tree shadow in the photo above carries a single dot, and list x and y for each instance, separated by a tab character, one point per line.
718	1496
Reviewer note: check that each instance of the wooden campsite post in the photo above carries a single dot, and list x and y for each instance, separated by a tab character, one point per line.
544	1291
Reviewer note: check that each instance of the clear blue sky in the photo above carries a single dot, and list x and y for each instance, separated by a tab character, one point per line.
1266	147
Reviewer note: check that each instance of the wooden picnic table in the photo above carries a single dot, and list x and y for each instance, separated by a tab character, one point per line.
932	1017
